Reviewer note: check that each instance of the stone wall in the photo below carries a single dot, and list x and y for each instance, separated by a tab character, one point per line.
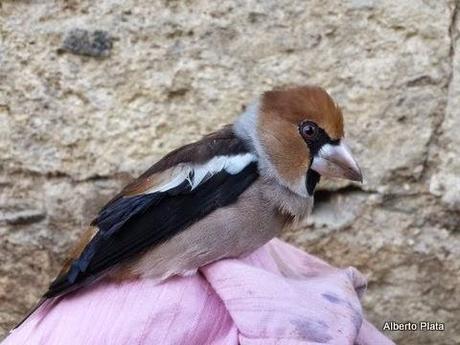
92	92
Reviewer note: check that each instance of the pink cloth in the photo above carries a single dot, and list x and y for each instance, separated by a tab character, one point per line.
277	295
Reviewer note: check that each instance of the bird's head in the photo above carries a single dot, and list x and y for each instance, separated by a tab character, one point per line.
299	134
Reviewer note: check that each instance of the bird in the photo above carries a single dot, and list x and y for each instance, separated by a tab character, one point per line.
222	196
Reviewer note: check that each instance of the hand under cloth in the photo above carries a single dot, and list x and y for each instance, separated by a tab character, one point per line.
277	295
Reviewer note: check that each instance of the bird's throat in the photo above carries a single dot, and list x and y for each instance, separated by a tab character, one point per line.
311	181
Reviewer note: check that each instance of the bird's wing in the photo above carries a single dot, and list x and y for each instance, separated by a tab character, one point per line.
183	187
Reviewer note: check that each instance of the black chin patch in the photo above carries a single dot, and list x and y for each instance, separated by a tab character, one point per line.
311	181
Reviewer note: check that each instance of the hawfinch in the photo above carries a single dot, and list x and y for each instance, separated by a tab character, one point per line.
222	196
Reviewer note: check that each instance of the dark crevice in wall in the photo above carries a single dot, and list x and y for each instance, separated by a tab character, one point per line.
323	196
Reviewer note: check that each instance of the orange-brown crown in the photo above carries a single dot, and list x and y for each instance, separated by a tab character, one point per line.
280	114
304	103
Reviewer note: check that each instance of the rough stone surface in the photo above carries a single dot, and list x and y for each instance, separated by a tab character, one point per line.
81	42
73	128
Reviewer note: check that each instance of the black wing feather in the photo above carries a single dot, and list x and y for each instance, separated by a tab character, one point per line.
130	225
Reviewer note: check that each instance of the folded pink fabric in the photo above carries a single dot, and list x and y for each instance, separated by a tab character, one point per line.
277	295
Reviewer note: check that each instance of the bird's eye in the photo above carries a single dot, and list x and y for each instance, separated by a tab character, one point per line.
308	130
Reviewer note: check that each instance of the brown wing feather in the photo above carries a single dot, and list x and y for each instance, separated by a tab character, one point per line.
222	142
77	249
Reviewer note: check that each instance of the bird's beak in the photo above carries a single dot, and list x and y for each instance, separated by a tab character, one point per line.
336	161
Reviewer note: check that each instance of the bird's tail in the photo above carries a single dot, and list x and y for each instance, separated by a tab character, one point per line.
31	311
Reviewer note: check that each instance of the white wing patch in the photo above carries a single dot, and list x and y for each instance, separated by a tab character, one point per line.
196	174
